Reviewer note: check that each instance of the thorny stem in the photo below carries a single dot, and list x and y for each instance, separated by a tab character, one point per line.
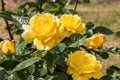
76	3
6	22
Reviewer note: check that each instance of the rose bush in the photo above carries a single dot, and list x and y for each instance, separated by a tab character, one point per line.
54	44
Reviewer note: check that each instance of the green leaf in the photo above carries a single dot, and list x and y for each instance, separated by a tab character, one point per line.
109	71
13	77
118	34
75	37
60	47
9	64
114	50
103	30
6	16
61	76
40	79
61	64
2	74
31	69
23	20
54	8
104	55
68	11
69	50
24	64
63	2
24	8
22	49
106	77
30	77
115	68
19	31
89	25
50	61
78	42
50	77
43	70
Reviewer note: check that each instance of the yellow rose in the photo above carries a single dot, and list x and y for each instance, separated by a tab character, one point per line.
6	46
96	40
43	30
83	66
72	23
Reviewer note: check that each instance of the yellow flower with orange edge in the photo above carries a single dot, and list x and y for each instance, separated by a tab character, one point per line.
73	23
83	66
7	46
95	40
43	30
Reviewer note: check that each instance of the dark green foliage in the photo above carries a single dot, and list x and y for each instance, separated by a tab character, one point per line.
103	30
118	33
89	25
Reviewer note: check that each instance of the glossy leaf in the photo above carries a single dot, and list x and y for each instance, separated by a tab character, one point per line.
13	77
23	49
68	11
43	70
63	2
61	76
50	61
9	64
30	77
61	64
26	63
104	55
60	47
50	77
103	30
54	8
2	74
74	37
89	25
6	16
114	50
23	20
78	42
31	69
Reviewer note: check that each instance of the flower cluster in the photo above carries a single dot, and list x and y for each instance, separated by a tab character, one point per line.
46	30
83	66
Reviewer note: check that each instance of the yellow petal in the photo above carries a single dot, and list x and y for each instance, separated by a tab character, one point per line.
76	76
49	44
25	27
28	35
60	33
81	28
98	67
11	47
38	43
